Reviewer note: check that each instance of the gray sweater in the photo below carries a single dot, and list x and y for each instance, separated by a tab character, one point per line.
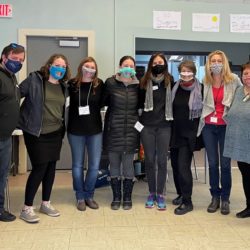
237	140
208	100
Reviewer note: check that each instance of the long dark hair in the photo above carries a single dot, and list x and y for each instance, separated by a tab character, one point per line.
147	76
45	68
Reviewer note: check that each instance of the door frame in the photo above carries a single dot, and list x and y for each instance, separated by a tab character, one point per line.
23	34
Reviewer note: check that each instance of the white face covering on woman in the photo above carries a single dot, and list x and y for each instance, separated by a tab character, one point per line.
186	76
88	74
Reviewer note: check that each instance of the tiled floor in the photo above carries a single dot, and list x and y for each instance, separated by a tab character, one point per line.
136	229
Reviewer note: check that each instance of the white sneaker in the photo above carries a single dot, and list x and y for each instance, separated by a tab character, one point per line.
27	214
48	209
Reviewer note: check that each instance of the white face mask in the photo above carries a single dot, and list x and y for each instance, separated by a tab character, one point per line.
88	73
186	76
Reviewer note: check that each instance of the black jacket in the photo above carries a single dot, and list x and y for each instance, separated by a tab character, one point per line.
31	113
9	103
184	130
121	116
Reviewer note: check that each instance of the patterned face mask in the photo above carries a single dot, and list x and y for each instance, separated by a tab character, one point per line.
127	72
57	72
216	68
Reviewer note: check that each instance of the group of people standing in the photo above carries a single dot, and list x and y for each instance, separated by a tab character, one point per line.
163	115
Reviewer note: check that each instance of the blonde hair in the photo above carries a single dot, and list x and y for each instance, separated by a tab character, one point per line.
226	72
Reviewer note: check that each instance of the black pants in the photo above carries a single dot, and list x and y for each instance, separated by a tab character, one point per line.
181	159
156	143
174	164
245	172
41	173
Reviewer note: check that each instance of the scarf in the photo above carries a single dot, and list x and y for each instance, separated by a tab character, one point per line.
195	98
149	101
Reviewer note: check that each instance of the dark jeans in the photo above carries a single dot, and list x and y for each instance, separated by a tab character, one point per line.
5	159
116	159
156	143
44	173
181	159
214	137
245	172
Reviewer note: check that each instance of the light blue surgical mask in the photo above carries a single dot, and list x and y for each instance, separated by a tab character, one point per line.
127	72
57	72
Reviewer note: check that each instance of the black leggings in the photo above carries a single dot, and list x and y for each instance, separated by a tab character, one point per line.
44	173
245	172
156	143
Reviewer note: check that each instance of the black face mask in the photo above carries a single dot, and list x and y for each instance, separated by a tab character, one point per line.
158	69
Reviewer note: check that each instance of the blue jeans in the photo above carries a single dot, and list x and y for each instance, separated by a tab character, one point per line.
5	158
214	137
85	187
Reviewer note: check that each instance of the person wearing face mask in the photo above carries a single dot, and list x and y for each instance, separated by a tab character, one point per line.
43	119
219	88
11	61
155	101
85	130
121	138
237	134
187	107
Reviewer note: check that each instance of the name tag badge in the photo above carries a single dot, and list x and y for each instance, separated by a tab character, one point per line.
67	101
155	87
213	119
84	110
138	126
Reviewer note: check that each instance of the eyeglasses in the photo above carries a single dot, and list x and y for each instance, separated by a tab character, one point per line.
15	45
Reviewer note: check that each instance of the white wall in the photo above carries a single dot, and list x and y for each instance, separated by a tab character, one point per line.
117	22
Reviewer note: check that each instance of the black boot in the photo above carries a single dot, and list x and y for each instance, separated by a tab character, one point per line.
214	205
244	213
177	201
116	188
225	207
127	193
185	207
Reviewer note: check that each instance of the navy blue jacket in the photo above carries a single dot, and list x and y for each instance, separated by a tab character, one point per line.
31	113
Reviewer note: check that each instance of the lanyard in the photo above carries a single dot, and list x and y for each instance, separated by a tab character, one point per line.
87	95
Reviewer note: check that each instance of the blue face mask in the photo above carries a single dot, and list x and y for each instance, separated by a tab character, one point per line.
127	72
57	72
13	66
